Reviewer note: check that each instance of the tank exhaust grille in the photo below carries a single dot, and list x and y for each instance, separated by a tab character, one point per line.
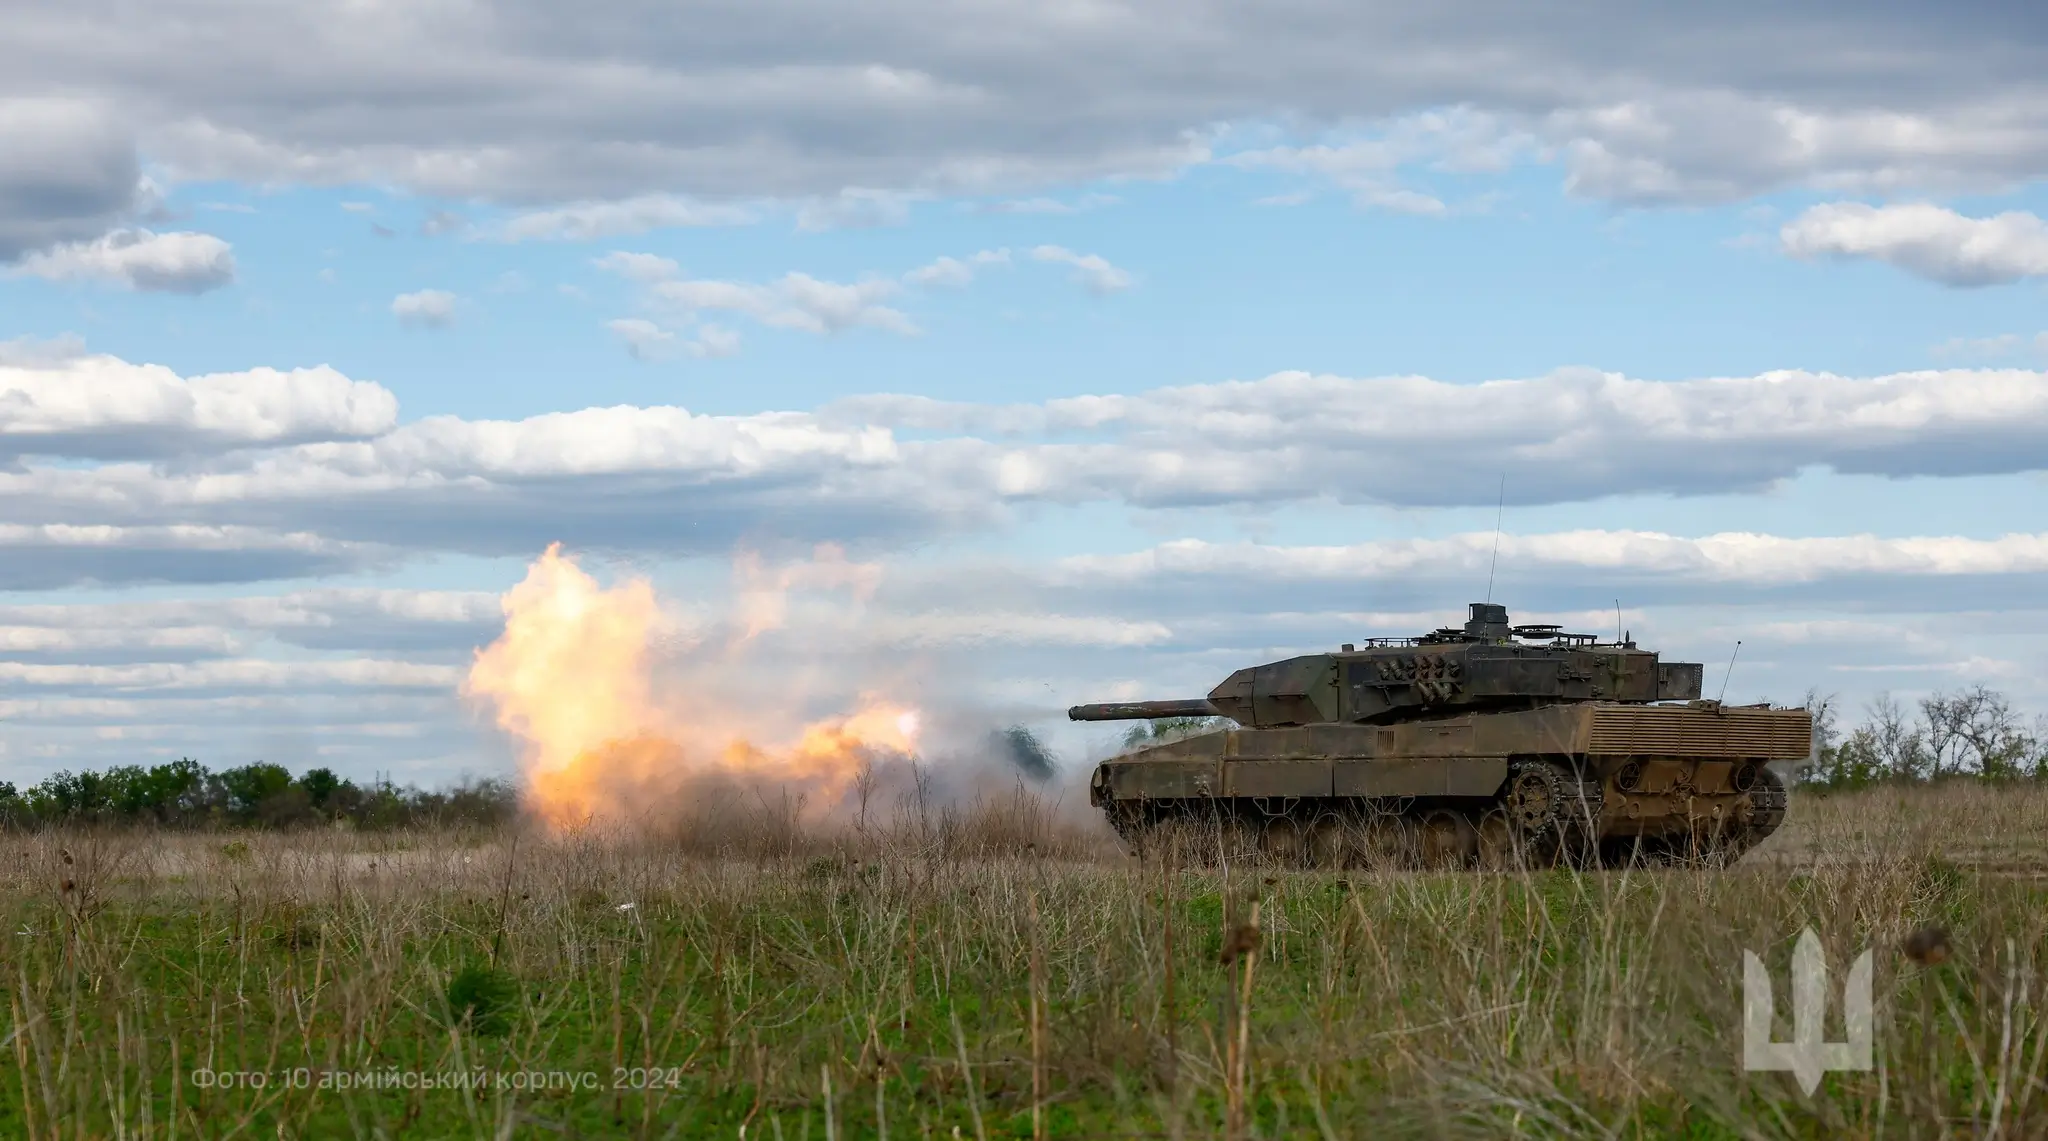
1674	731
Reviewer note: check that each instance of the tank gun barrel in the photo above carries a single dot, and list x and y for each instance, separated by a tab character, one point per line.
1142	710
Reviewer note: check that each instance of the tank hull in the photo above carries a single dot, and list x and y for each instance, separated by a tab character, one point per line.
1587	780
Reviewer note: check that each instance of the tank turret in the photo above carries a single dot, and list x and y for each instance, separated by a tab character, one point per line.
1486	664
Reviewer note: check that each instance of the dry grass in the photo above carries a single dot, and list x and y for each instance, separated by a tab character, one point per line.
996	971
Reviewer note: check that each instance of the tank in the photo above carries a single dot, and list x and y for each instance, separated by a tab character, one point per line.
1490	744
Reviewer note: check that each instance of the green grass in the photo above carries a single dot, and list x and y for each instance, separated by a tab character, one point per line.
734	990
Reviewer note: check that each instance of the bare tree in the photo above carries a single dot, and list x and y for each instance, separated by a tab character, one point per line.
1975	730
1972	731
1900	746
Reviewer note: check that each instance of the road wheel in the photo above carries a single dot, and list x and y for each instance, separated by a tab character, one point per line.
1328	842
1499	848
1387	842
1282	841
1447	840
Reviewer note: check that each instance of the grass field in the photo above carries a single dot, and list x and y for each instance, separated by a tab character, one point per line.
993	971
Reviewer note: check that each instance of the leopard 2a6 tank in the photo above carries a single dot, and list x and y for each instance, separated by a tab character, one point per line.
1491	744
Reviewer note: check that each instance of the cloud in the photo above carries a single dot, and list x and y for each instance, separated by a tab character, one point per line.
2001	345
1732	557
58	555
58	400
1643	104
1572	435
587	221
182	262
713	341
326	619
312	468
644	339
610	478
648	341
234	674
855	209
1055	206
1091	270
952	271
1372	167
101	645
315	676
643	268
1930	241
68	172
34	352
425	309
443	222
793	301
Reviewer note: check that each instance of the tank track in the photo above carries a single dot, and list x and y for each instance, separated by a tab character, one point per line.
1767	802
1553	812
1547	812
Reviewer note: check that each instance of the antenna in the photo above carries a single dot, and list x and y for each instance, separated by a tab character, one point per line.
1618	639
1498	509
1730	673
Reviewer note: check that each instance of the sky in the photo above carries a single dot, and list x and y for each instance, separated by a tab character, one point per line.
1122	342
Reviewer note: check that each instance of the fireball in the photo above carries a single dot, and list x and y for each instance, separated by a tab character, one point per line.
573	681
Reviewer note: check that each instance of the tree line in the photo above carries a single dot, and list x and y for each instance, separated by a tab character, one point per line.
1973	732
186	794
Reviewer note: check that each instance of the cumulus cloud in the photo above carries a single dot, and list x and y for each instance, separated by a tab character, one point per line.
58	400
1930	241
68	171
182	262
1091	270
1643	103
613	478
895	470
425	309
1572	435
